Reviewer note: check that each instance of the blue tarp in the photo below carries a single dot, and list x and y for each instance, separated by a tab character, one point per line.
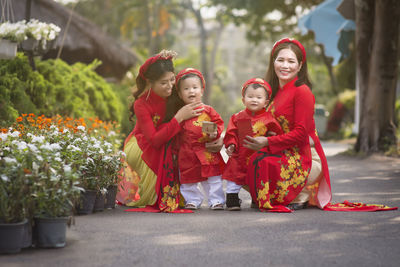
328	25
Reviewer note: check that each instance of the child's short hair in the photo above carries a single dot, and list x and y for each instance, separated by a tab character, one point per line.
257	83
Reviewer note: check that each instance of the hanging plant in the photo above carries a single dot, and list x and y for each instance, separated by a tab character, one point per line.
32	35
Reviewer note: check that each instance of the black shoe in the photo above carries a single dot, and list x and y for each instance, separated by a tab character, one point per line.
298	206
233	201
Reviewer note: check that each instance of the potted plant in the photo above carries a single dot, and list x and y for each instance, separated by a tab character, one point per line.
34	36
10	35
112	167
14	192
55	190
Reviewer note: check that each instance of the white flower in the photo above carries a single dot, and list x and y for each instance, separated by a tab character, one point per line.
21	145
55	146
67	168
81	127
35	166
15	134
3	136
58	159
4	178
38	139
73	148
33	148
10	160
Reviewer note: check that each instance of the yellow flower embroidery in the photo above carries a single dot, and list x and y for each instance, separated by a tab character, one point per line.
169	201
284	123
259	129
209	157
156	118
199	123
262	197
292	174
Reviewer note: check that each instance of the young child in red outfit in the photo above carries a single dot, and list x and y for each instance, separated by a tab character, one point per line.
196	164
252	121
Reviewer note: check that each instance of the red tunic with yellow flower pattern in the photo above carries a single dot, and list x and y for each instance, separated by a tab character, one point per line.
259	124
196	164
278	172
150	132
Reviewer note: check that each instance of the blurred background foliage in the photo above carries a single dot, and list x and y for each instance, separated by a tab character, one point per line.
228	40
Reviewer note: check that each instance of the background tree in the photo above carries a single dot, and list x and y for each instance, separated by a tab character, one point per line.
377	45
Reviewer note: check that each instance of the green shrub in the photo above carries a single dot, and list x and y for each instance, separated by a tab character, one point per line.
55	88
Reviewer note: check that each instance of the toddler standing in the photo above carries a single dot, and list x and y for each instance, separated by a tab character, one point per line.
196	164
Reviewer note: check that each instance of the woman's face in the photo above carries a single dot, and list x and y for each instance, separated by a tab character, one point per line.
190	90
163	86
286	66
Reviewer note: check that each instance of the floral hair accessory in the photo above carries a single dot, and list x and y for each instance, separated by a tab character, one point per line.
259	81
163	55
192	71
290	40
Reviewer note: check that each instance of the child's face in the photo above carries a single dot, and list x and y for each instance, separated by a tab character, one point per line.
255	99
190	90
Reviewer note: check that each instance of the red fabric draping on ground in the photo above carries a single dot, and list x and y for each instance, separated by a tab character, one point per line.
356	206
167	187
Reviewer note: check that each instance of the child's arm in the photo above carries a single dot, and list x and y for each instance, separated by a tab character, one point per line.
231	138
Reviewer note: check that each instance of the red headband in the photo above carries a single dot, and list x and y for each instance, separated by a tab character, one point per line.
290	40
188	71
259	81
149	62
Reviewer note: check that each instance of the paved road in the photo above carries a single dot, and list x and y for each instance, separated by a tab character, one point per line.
309	237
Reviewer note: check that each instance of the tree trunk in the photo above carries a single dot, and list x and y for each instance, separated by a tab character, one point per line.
203	53
328	64
377	130
364	34
214	51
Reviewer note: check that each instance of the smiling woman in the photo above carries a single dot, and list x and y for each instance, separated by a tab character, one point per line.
147	147
290	170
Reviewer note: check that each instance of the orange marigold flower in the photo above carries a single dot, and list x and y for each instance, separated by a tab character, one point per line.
31	115
27	171
19	119
24	115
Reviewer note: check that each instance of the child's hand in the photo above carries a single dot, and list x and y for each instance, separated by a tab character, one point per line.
230	149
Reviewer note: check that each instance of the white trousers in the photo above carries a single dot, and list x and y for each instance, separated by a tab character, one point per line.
232	187
313	177
212	188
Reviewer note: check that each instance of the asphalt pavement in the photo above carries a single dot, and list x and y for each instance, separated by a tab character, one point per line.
309	237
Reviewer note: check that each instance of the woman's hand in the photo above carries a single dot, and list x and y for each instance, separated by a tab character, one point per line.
255	143
189	111
230	149
215	146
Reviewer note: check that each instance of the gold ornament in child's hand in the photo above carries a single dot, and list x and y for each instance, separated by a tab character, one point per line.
209	127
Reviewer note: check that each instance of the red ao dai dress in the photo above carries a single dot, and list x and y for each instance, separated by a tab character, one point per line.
278	172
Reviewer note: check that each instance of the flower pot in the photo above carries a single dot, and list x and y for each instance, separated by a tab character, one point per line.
86	202
111	196
27	235
50	232
29	44
11	240
8	49
99	202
